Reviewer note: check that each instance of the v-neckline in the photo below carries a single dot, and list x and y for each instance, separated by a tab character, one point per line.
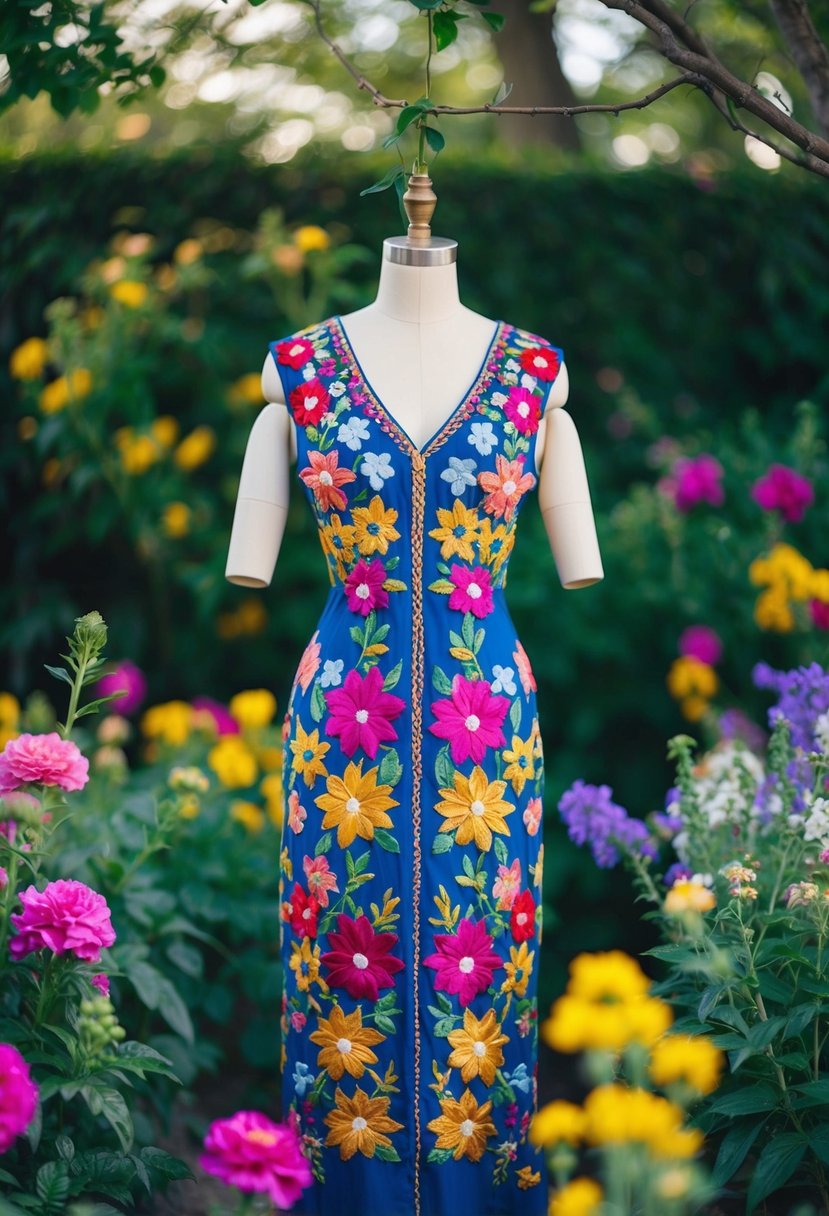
457	414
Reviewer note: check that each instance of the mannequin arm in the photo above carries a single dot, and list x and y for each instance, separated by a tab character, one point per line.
262	504
564	499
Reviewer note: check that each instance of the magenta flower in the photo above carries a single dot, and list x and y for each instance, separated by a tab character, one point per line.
471	719
223	719
65	917
47	759
819	613
693	481
473	590
18	1096
251	1152
360	961
101	982
4	877
524	409
784	490
700	642
465	961
361	712
126	677
364	587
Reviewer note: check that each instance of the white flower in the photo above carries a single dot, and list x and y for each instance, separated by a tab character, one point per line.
512	365
327	419
459	474
309	371
528	382
337	388
504	680
331	673
499	398
822	732
483	438
376	468
816	823
353	433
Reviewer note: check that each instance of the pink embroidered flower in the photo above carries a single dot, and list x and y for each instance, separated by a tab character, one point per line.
525	671
700	642
532	816
298	1019
101	982
524	409
321	878
819	613
127	678
522	918
784	490
220	716
473	590
540	362
66	917
471	719
465	961
297	813
251	1152
294	353
302	912
326	367
18	1096
360	961
309	663
507	885
692	481
47	759
324	477
364	587
309	401
361	712
505	488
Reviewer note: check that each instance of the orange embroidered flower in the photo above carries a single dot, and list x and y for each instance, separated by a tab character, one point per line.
505	488
475	809
519	968
374	526
309	663
308	752
346	1043
359	1124
339	539
459	530
305	962
463	1126
496	544
477	1047
527	1177
324	478
355	804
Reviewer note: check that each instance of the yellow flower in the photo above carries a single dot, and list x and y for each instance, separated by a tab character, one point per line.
520	762
311	238
495	544
820	586
129	292
189	806
690	677
305	962
164	430
474	809
187	252
249	618
374	527
170	722
693	708
674	1183
685	896
519	968
339	539
459	529
247	390
58	393
270	759
28	360
9	710
558	1121
359	1123
195	448
176	519
619	1115
274	794
248	814
576	1024
463	1126
346	1043
689	1058
254	708
233	762
526	1177
609	975
308	754
355	804
477	1047
138	452
772	611
579	1197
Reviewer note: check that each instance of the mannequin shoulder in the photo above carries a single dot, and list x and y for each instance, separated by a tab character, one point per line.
559	390
272	389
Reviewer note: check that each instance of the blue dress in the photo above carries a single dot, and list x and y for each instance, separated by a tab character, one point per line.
411	854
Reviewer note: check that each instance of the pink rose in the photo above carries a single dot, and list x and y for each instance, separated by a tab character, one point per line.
47	759
66	917
18	1096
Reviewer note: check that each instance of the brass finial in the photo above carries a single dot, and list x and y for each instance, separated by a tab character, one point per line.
420	201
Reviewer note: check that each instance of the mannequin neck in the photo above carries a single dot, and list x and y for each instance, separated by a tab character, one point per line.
417	294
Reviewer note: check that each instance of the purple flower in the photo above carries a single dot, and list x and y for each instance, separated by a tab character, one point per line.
734	724
783	489
129	678
700	642
695	480
676	873
223	719
593	818
803	695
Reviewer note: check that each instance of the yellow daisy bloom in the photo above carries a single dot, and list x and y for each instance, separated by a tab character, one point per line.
617	1114
519	968
355	804
305	961
463	1126
339	540
253	708
689	1058
311	238
477	1047
580	1197
170	722
520	762
29	360
374	527
495	544
359	1124
175	520
459	529
475	809
58	393
609	975
233	762
195	448
558	1121
346	1043
308	755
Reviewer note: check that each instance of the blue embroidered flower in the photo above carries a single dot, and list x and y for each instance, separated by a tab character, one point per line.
460	474
503	681
519	1078
331	673
483	438
377	469
353	433
303	1078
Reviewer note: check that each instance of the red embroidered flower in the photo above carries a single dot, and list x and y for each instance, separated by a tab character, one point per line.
295	352
364	587
309	401
505	488
473	590
324	477
524	409
540	362
361	712
360	961
465	961
522	917
302	912
471	719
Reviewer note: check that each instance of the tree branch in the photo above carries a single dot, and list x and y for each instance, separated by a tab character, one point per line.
809	53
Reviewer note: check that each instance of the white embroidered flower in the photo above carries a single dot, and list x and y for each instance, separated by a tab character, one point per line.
483	438
337	388
328	419
499	399
331	673
512	365
309	371
528	382
504	680
376	468
460	474
353	433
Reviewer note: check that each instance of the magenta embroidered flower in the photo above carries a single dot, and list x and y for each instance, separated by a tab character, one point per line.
101	982
525	671
700	642
471	719
298	1019
294	353
505	488
364	587
47	759
360	961
309	401
126	677
540	362
65	917
473	590
18	1096
692	481
251	1152
321	878
464	961
324	478
362	713
785	490
217	715
524	409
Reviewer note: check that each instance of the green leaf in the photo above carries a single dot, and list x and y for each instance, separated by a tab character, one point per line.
800	1019
391	770
745	1101
443	842
500	851
102	1100
775	1166
444	1027
495	21
318	705
468	630
762	1033
445	26
441	681
515	714
503	93
384	1023
59	673
814	1093
733	1150
52	1183
819	1141
386	840
444	769
442	585
425	5
393	677
323	844
410	114
382	1153
356	634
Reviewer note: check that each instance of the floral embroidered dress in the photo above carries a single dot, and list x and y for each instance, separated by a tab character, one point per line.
410	866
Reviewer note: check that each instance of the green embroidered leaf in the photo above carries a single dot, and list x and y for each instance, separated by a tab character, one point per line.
323	844
500	851
439	1156
444	768
393	562
443	842
380	634
385	1002
384	1023
468	630
441	681
455	639
360	864
442	567
444	1002
515	714
467	867
480	634
318	705
356	634
394	584
386	840
442	586
386	1154
435	1012
391	770
444	1027
393	677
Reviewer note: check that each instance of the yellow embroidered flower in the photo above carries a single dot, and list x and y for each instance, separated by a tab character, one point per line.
346	1043
129	292
170	722
477	1047
692	1059
233	762
310	238
520	762
339	540
305	963
355	804
374	527
195	448
463	1126
176	520
254	708
495	544
459	530
579	1197
475	808
248	814
308	754
527	1177
688	896
519	968
558	1121
58	393
359	1124
617	1114
28	360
